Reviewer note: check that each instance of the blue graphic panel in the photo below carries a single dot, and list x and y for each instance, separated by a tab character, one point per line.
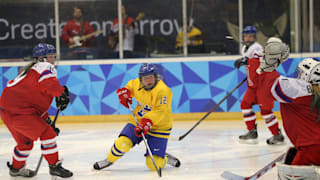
196	86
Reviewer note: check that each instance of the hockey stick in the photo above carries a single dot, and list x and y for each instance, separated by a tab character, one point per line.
53	126
231	176
212	109
145	142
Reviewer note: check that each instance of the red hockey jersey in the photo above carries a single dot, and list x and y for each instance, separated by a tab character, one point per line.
33	92
295	97
253	78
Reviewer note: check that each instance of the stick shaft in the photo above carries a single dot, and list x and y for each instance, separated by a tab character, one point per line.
41	158
212	109
145	142
258	174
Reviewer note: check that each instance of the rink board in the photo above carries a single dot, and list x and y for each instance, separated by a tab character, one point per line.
197	84
215	116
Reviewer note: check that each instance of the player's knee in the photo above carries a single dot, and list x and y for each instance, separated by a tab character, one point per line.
25	146
266	111
160	162
123	143
245	105
48	134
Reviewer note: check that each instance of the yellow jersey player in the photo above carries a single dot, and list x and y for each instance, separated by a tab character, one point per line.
154	115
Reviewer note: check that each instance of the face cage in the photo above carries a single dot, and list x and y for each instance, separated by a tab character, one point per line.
150	88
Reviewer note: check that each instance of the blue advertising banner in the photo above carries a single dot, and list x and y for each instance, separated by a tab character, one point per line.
196	86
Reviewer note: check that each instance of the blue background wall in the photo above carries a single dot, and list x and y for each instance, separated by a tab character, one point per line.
196	86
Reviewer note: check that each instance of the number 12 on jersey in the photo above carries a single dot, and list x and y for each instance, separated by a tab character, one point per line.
163	100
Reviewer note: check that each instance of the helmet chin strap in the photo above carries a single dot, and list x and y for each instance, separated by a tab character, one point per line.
150	88
42	59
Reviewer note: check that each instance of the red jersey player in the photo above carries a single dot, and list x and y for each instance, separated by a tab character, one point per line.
300	105
252	52
23	108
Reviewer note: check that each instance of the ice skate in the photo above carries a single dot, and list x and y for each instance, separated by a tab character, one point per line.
20	172
102	164
276	140
173	161
251	137
58	170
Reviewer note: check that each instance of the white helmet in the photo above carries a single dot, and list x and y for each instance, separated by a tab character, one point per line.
275	52
309	71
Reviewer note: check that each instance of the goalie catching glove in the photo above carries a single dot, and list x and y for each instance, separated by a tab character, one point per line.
124	96
63	100
144	127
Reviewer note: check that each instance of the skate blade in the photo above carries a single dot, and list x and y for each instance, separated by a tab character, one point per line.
248	141
53	177
276	144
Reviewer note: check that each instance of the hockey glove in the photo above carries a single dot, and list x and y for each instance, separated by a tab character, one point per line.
240	62
144	127
56	130
63	100
124	96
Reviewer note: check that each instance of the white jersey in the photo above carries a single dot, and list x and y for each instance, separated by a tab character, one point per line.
285	89
299	119
128	38
254	51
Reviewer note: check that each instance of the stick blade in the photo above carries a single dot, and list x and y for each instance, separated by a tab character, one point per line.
231	176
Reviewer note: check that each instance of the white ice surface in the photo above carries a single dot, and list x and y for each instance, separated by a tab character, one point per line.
205	153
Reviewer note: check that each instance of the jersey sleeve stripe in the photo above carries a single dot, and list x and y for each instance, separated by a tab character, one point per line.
281	94
46	77
255	55
274	94
45	72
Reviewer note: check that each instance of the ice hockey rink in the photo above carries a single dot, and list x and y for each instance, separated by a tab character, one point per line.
205	153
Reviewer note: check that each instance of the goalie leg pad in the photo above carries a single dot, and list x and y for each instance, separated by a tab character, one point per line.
290	172
122	145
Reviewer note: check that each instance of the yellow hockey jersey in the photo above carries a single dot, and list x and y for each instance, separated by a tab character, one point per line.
155	105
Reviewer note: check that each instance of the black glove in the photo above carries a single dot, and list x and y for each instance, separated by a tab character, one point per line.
57	130
240	62
63	100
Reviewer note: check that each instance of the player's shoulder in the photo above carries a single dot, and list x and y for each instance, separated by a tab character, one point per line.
293	87
254	51
134	83
256	48
257	45
162	88
40	67
287	82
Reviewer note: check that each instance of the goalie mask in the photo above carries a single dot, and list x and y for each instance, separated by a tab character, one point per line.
309	71
147	69
276	52
41	51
